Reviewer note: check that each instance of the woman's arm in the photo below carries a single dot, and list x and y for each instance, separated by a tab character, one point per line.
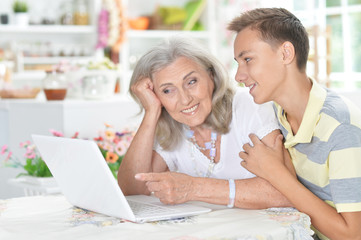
267	162
140	156
253	193
174	188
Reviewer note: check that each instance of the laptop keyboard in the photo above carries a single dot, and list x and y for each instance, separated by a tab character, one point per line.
144	209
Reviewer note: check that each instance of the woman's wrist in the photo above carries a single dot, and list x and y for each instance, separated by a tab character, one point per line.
153	112
151	117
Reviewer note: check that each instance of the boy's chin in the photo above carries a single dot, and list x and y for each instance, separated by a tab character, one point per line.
259	100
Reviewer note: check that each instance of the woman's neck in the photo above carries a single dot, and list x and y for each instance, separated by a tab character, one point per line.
202	133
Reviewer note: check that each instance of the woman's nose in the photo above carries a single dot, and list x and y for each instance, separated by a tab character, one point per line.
185	97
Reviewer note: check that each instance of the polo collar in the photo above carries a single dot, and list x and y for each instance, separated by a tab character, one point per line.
310	117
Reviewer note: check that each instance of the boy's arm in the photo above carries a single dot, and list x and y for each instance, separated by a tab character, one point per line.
324	217
257	193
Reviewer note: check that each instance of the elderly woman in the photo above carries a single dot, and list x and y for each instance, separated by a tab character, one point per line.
194	127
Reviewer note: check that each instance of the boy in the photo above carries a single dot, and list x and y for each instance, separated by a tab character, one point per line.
322	130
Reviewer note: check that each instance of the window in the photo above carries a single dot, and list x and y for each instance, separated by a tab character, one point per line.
343	17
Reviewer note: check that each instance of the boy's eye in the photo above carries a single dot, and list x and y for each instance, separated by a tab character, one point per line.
247	59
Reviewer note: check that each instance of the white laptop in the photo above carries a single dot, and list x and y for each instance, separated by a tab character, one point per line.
85	179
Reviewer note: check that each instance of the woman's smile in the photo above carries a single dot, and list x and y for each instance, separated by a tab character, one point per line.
185	90
191	110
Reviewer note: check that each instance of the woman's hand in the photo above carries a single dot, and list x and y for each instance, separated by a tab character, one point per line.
264	161
144	90
169	187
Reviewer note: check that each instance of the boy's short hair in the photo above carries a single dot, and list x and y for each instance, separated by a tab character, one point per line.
276	26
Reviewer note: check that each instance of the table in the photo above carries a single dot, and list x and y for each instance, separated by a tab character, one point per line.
53	217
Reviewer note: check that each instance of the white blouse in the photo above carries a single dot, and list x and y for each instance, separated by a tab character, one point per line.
248	117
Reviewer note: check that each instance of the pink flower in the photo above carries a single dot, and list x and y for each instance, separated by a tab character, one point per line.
116	139
8	157
121	148
30	153
4	149
76	134
56	133
108	147
31	147
25	144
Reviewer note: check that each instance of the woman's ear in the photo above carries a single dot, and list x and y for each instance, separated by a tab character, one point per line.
211	72
288	52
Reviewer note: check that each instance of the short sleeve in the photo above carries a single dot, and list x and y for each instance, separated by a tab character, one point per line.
345	168
167	156
259	119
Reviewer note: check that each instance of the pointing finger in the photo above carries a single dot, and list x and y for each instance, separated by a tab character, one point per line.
153	186
145	177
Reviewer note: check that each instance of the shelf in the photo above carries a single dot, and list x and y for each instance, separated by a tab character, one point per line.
55	60
62	29
165	33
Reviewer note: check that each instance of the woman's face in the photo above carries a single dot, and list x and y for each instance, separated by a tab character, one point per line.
185	91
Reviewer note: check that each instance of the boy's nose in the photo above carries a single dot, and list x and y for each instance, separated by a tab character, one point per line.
241	75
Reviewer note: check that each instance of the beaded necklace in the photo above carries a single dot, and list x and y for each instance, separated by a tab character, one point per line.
211	146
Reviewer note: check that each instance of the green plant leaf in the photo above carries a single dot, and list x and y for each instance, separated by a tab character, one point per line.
20	6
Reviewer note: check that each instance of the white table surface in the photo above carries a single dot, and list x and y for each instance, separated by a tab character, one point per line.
52	217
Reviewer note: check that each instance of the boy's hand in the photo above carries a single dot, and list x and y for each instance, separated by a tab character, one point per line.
264	161
169	187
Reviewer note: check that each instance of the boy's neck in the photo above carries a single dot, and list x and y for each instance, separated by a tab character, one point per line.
294	99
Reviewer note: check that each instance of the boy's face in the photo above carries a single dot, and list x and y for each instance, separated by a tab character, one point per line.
260	67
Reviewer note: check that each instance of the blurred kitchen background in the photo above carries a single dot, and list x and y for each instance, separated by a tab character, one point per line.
66	64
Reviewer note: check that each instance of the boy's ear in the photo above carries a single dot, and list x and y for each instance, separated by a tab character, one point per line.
288	52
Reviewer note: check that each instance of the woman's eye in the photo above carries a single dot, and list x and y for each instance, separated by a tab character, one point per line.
193	81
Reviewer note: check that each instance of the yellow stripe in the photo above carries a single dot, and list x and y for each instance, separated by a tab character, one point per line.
355	114
325	127
308	170
348	207
351	156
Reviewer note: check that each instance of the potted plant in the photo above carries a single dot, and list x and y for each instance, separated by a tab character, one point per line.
112	144
21	15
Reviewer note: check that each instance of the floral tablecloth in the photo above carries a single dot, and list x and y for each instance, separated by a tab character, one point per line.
52	217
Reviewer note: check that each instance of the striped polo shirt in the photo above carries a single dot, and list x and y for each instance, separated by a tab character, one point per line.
326	151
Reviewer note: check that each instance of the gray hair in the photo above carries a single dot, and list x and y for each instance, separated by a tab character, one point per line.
169	132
